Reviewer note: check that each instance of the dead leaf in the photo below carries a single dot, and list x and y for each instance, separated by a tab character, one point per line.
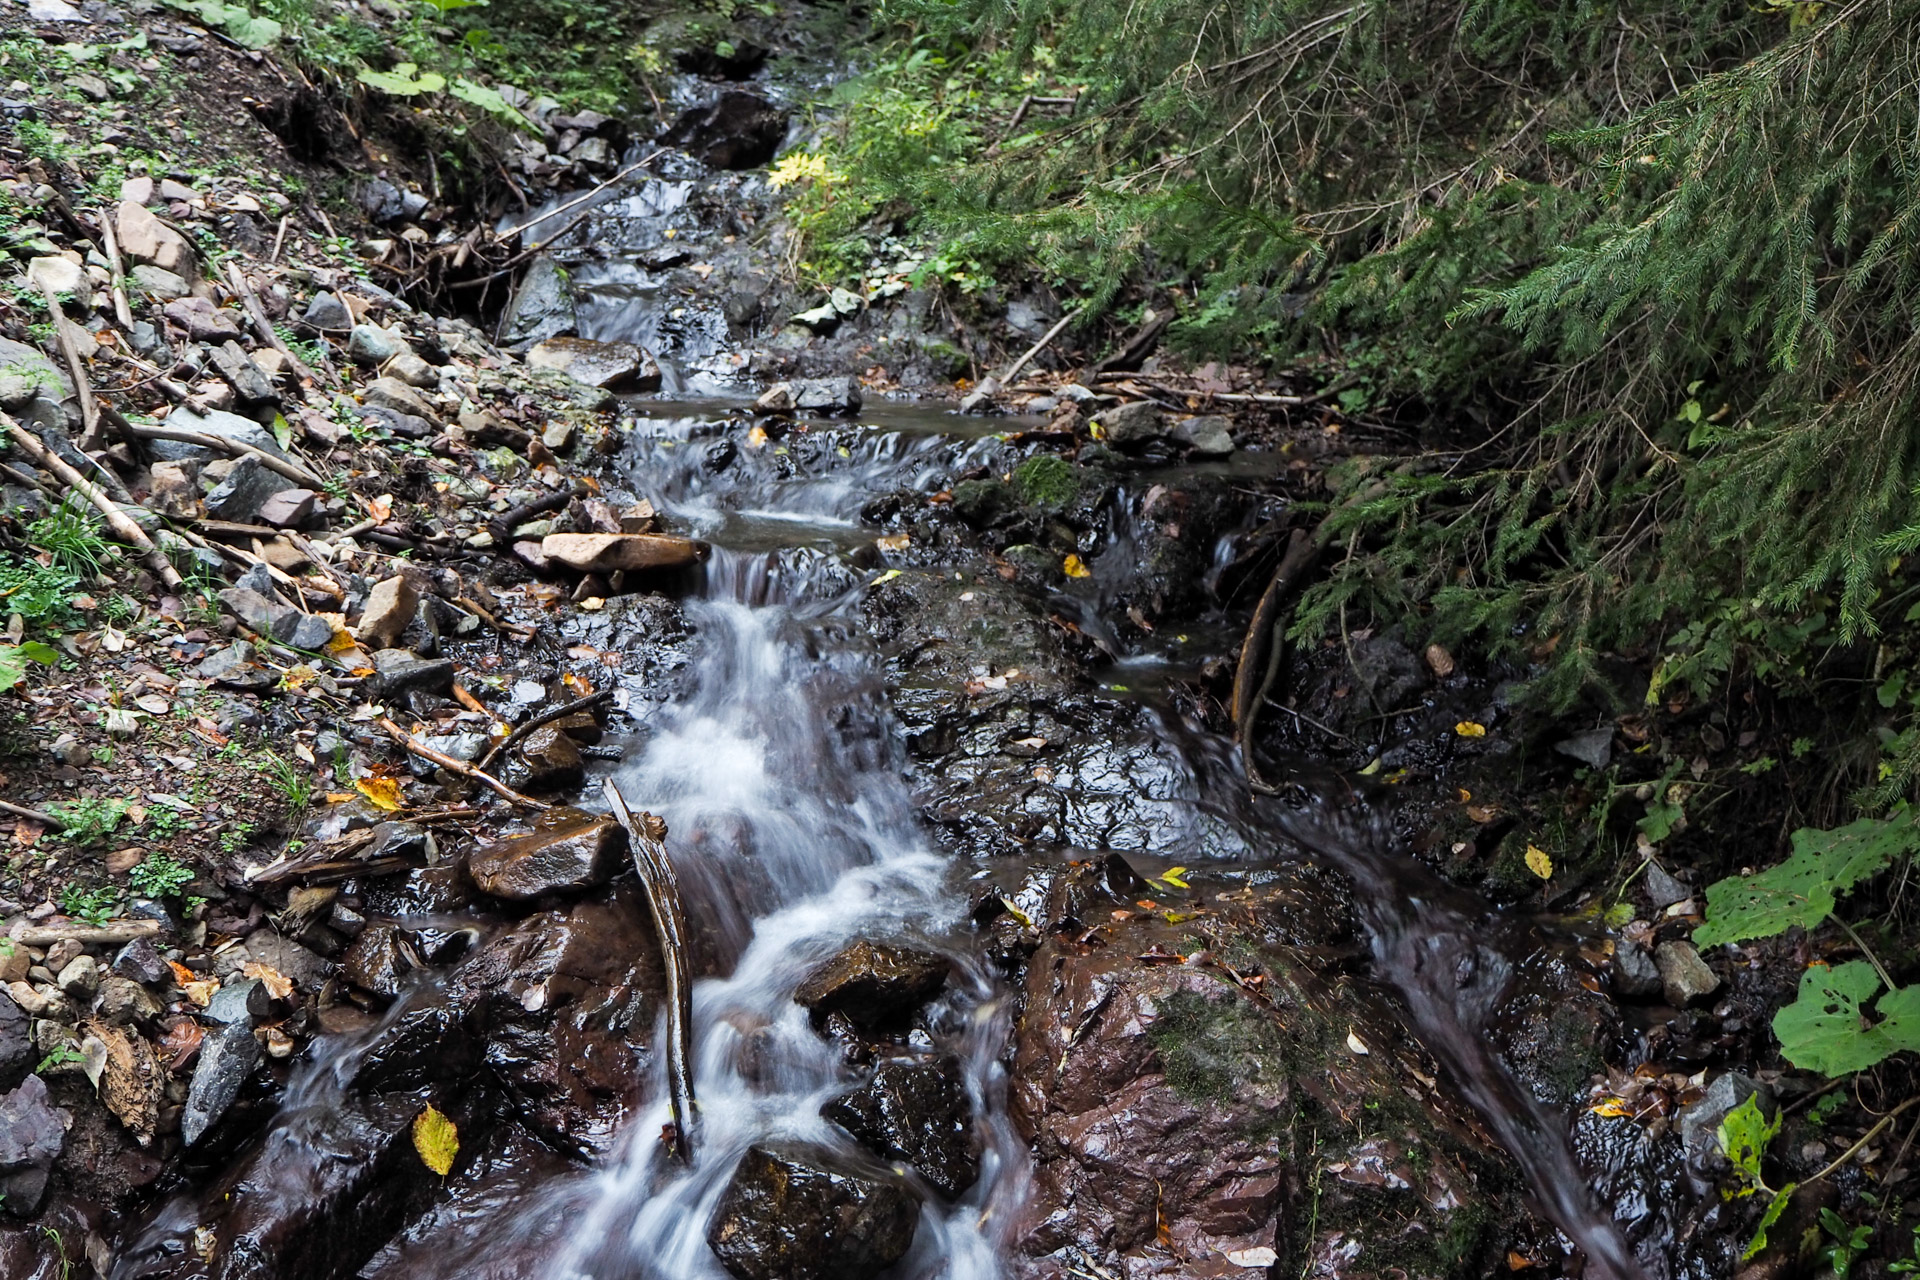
1439	661
1074	567
1539	863
153	704
894	542
437	1141
383	792
1470	729
278	985
1358	1045
132	1082
201	992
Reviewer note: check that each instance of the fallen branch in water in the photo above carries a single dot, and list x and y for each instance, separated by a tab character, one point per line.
1266	637
460	767
662	891
546	717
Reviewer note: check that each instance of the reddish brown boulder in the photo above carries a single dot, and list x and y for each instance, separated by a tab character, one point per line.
567	851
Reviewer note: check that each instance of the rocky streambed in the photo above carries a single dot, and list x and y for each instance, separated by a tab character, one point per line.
1001	967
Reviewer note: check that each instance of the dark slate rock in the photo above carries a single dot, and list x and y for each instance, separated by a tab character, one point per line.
32	1134
917	1112
735	131
245	490
796	1213
227	1058
16	1043
248	380
401	671
873	983
568	851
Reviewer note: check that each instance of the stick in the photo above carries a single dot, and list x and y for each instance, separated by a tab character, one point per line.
481	611
507	267
502	525
1266	625
263	326
33	815
460	767
238	448
279	238
121	311
1038	347
547	717
90	437
662	890
123	528
47	935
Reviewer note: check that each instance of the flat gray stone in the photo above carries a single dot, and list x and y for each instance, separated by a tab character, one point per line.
215	422
227	1057
246	489
1683	974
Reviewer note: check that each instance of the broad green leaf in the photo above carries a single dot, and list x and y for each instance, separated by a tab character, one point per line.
1828	1027
1744	1135
436	1139
448	6
14	659
487	99
401	81
1775	1207
1802	889
250	31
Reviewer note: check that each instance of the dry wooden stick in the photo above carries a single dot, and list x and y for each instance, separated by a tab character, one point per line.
238	448
546	717
117	520
121	311
33	815
661	888
263	326
460	767
1014	369
90	435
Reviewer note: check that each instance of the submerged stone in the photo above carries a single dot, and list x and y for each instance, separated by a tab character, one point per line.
798	1213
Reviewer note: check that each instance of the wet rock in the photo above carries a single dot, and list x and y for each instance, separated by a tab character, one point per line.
873	983
1210	436
568	851
1132	425
157	282
390	607
246	488
300	965
144	238
1635	975
1593	748
375	962
796	1213
241	1001
736	131
827	395
542	307
401	671
598	364
33	1132
1699	1123
548	760
1663	889
917	1112
16	1043
777	398
1683	974
612	552
227	1058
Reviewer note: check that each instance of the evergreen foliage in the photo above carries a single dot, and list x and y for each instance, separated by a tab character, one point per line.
1650	267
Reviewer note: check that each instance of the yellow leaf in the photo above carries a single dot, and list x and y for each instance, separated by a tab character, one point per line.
888	576
894	542
278	985
437	1141
1017	913
384	792
1172	876
1470	729
342	641
1076	567
201	993
1539	863
756	437
1610	1108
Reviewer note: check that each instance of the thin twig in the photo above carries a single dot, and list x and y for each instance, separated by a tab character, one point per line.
263	326
33	815
1014	369
519	735
238	448
460	767
1865	1138
108	244
661	888
90	437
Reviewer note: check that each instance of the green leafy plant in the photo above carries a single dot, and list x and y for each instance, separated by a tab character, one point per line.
159	875
293	784
236	22
90	820
61	1056
1744	1135
15	657
96	906
406	80
1845	1243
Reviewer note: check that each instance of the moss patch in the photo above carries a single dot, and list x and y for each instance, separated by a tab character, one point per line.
1046	482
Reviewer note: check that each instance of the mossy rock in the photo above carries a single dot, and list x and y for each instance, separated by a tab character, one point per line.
1046	482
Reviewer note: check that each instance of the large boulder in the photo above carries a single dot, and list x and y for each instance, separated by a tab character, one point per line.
615	365
917	1112
799	1213
873	984
568	851
16	1043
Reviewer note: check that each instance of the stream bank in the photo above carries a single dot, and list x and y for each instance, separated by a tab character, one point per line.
1001	969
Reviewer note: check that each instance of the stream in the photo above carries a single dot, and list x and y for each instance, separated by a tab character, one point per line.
782	768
